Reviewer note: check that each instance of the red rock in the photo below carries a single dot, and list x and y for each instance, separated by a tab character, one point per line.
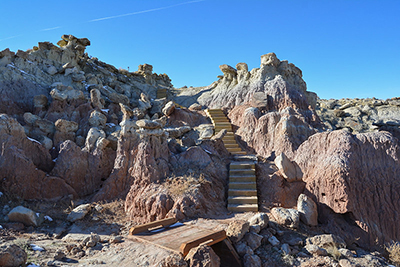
274	190
82	170
357	176
272	132
28	180
143	160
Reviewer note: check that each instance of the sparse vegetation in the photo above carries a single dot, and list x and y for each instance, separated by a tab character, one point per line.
288	260
394	252
334	252
181	185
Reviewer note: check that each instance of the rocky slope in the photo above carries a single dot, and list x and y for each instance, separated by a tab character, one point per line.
78	128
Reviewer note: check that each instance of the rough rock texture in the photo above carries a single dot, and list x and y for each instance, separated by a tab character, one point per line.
270	105
308	210
12	255
232	89
83	170
274	190
360	115
286	217
24	215
202	256
29	180
325	241
79	212
251	260
59	93
141	160
289	170
237	229
271	132
355	175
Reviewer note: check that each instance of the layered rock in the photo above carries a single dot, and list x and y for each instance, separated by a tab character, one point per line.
30	180
236	87
355	175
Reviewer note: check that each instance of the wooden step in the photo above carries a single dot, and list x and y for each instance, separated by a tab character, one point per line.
242	192
242	172
231	146
223	123
242	179
220	119
242	185
229	141
236	149
219	128
243	200
249	165
242	207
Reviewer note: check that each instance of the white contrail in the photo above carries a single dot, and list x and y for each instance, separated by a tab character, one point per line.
114	17
144	11
11	37
49	29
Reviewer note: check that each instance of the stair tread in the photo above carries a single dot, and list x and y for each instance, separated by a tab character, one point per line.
237	177
242	197
241	205
240	163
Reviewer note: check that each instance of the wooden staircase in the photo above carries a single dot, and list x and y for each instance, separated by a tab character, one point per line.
220	121
242	193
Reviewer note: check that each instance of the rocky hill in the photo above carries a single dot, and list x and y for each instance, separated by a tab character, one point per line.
73	128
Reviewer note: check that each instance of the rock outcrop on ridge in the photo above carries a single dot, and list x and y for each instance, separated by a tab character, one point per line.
361	115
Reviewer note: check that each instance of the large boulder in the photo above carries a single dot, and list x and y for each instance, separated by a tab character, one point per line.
12	255
24	215
29	180
308	210
81	169
355	175
286	217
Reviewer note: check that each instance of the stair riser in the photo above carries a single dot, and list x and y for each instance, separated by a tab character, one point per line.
242	172
244	166
243	186
230	142
242	180
248	193
242	201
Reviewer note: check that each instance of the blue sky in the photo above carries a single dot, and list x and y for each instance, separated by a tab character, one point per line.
345	48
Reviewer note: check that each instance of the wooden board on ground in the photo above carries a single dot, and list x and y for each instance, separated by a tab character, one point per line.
180	238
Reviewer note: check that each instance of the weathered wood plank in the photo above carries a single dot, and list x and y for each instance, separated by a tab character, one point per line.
147	226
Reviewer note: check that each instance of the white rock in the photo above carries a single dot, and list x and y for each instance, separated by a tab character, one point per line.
286	217
79	212
308	210
260	219
24	215
289	170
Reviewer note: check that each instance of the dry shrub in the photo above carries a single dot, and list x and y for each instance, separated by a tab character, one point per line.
182	185
334	252
394	252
